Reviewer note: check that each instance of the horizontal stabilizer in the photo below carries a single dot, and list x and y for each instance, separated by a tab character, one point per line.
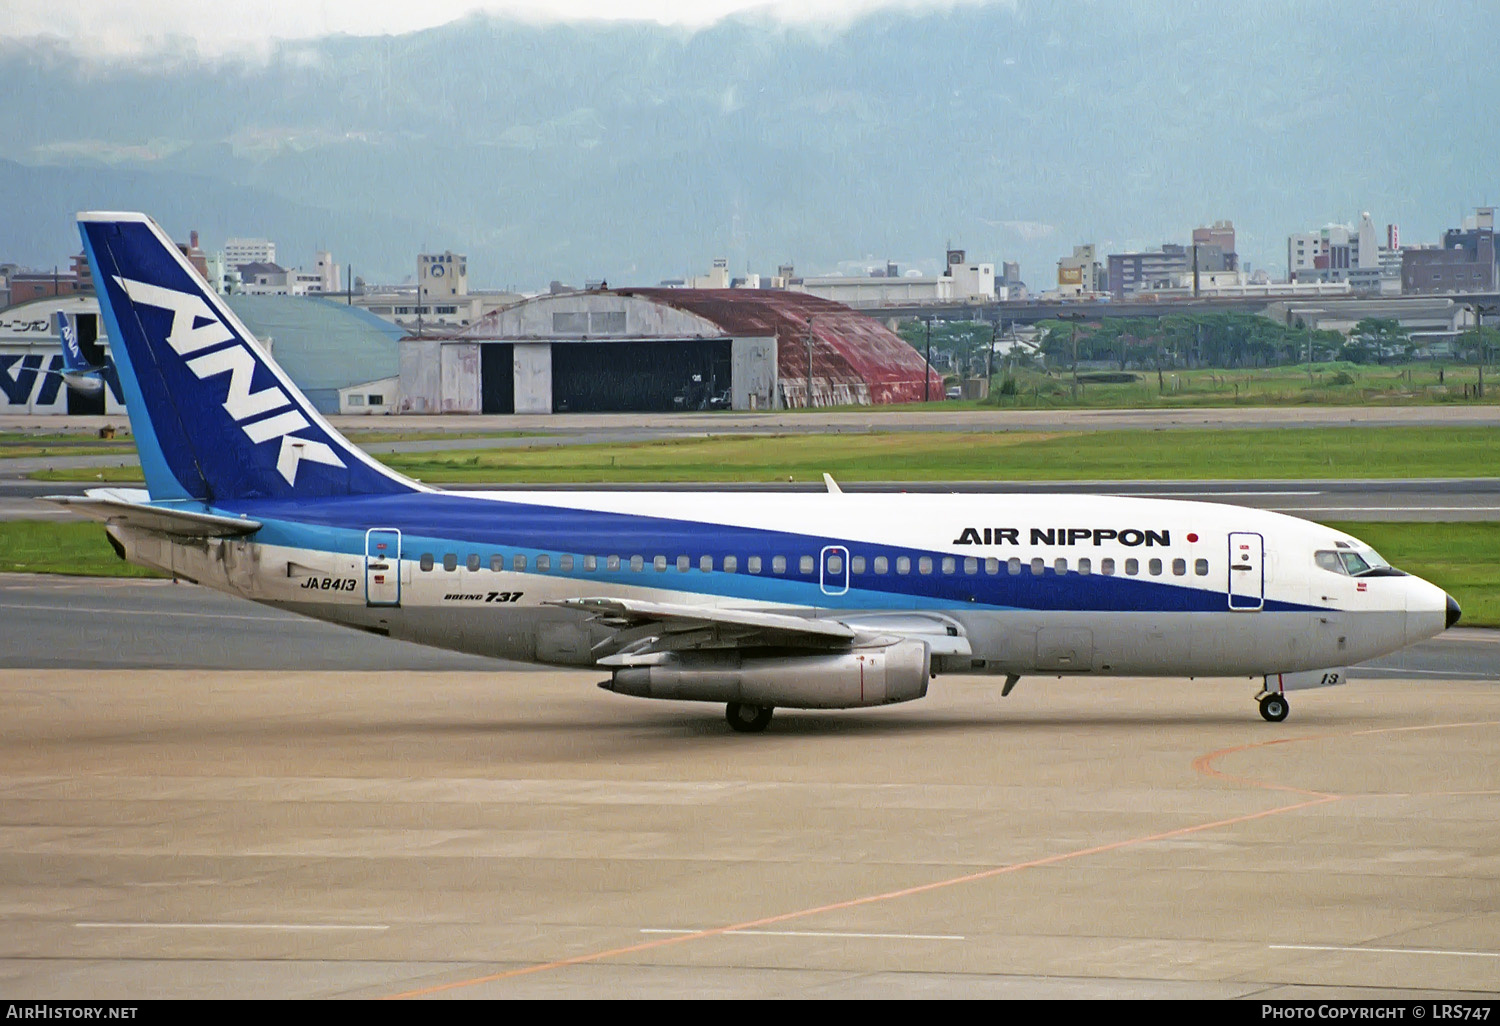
131	508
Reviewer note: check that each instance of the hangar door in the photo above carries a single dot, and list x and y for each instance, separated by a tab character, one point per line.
645	377
497	378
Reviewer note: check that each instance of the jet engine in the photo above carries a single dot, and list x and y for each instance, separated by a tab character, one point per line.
837	680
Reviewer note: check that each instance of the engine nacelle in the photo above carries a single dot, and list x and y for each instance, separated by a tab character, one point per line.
841	680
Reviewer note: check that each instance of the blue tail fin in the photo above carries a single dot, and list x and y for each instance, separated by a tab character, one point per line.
74	362
213	416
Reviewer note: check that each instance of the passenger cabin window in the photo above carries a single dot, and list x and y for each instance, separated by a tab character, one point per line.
565	563
1132	567
659	563
706	564
1179	567
778	564
1038	566
611	562
426	561
835	564
450	561
903	564
753	564
1013	565
543	563
1085	566
497	563
971	565
1155	566
684	564
857	564
637	564
1200	567
992	566
1060	565
950	565
473	561
805	565
1107	567
882	565
591	563
924	565
731	564
518	563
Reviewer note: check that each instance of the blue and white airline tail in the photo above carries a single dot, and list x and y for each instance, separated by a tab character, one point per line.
214	419
74	362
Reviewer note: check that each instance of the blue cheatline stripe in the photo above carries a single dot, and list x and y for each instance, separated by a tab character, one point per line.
464	525
160	481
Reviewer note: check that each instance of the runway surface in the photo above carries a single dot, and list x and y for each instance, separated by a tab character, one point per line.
291	810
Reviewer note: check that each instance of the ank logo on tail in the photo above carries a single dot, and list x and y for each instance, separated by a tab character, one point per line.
196	328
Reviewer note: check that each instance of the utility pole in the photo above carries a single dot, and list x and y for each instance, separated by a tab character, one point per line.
927	371
989	370
809	363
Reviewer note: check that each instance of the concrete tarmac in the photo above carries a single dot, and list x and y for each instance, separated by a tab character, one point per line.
249	832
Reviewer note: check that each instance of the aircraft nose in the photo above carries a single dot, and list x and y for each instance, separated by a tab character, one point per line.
1453	613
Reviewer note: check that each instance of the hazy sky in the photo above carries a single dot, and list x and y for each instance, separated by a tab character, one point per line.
129	27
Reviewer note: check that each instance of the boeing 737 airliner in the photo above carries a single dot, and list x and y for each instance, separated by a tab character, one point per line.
753	600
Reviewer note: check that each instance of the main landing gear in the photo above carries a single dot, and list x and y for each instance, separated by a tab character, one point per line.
750	719
1273	706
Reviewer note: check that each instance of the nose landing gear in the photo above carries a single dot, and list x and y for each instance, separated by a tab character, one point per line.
1273	706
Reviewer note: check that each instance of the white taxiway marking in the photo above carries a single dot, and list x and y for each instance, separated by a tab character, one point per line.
826	933
230	926
146	612
1169	494
1386	951
1396	509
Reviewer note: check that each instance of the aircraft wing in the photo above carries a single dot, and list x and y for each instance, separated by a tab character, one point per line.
648	628
128	506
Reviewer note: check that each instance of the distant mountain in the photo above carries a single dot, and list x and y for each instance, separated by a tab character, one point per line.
634	152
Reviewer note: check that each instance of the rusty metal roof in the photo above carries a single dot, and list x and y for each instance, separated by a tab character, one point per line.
853	356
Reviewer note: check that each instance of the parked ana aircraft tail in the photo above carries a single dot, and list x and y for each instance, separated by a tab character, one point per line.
78	371
753	600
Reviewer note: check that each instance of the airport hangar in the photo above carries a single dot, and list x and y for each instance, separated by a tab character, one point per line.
661	349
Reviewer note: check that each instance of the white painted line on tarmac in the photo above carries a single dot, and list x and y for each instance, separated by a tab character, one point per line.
826	933
1386	951
148	612
1224	493
231	926
1397	509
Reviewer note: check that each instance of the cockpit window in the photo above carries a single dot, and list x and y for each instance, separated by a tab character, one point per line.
1362	563
1354	563
1329	560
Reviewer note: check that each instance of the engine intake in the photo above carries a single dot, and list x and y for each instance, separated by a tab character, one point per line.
843	680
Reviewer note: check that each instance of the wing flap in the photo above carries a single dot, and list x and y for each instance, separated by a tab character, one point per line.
129	507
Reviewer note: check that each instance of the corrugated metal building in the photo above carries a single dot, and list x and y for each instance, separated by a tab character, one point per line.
662	349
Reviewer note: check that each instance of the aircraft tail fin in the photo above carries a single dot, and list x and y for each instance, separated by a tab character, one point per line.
213	416
74	362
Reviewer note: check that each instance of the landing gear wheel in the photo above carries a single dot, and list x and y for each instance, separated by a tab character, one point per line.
1274	708
751	719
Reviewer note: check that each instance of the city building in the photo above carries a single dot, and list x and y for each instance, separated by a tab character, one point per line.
962	281
1218	236
249	251
1080	274
1341	252
662	349
1465	262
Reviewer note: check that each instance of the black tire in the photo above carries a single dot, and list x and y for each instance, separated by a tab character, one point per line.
748	719
1274	708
